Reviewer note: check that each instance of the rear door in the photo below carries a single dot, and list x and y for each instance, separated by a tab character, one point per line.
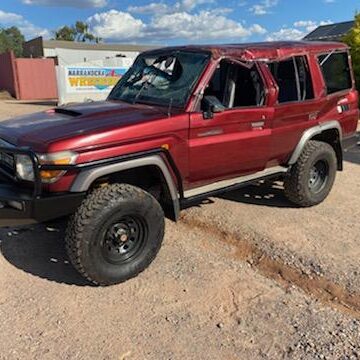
296	108
235	141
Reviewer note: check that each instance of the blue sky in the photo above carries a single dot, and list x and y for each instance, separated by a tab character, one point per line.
177	22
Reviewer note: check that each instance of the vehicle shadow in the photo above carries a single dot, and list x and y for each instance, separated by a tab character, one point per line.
263	193
353	155
40	251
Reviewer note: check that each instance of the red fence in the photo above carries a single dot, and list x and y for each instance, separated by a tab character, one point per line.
28	79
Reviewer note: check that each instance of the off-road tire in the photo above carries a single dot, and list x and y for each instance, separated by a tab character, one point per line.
297	182
84	236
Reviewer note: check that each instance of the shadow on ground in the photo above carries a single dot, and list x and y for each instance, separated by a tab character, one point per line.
40	251
264	194
353	155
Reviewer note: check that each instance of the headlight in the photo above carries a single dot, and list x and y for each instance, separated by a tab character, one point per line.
25	170
59	158
24	167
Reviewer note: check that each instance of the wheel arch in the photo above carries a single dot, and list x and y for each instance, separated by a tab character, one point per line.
329	132
88	178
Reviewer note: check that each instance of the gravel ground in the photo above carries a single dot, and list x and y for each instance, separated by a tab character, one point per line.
244	276
323	240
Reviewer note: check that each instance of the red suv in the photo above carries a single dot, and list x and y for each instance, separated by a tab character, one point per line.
182	124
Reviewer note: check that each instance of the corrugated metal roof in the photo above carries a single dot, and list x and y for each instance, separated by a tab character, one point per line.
330	32
52	44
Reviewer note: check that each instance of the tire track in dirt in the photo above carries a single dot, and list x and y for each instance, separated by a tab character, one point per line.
322	289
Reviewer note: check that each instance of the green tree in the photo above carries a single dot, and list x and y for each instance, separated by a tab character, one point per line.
352	38
65	33
78	32
11	39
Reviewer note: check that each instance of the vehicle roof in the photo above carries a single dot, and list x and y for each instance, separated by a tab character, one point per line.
263	50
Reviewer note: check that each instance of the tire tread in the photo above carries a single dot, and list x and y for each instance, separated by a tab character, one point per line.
294	187
94	202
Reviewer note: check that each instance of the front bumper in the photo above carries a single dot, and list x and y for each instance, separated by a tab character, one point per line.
19	206
22	205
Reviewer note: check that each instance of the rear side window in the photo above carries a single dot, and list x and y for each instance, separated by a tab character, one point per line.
293	79
336	71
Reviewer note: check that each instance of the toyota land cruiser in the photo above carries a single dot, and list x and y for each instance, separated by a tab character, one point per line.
182	124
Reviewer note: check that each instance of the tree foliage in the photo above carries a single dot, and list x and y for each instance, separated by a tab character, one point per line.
352	38
78	32
11	39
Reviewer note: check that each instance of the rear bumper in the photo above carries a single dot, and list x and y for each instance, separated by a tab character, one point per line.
19	206
350	141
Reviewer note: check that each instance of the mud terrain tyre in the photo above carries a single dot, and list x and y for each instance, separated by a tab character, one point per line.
311	178
115	234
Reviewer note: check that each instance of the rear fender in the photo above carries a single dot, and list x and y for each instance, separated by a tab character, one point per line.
317	133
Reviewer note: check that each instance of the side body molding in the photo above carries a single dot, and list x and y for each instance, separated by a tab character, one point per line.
311	132
84	180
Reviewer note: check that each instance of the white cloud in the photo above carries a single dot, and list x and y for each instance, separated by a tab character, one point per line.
116	25
258	29
9	18
310	25
26	27
286	34
158	8
263	7
203	25
152	8
298	31
69	3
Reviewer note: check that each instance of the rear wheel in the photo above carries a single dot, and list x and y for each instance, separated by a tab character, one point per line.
311	179
115	234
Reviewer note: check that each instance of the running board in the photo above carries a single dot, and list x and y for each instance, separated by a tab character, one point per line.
231	184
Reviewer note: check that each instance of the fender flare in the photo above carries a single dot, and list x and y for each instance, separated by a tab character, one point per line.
86	177
310	133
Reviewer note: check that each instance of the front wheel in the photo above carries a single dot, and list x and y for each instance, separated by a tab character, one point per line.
115	234
312	177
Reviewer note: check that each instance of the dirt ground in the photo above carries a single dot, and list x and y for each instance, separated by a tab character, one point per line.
242	276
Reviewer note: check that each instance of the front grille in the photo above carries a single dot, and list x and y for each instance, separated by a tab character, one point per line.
7	163
7	160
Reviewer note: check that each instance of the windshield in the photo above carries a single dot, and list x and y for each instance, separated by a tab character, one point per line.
163	79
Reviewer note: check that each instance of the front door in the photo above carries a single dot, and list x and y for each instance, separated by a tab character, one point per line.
236	140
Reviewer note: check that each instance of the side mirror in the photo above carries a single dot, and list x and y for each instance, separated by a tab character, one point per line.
211	105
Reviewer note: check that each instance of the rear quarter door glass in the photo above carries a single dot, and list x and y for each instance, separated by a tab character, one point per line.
336	71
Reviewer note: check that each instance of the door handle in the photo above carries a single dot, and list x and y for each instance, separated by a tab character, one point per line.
258	124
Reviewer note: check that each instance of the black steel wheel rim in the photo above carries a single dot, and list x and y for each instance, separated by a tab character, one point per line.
319	174
123	239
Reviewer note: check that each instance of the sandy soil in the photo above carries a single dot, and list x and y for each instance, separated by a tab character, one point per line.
244	276
11	108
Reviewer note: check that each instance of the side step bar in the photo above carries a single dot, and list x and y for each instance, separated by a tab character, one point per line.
194	195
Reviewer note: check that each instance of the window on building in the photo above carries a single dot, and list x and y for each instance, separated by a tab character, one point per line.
236	85
336	71
293	79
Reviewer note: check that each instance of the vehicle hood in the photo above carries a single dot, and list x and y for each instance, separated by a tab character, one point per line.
38	130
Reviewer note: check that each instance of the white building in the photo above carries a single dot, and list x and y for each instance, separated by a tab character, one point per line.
70	52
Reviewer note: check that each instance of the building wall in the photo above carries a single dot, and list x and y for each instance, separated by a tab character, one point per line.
8	80
33	48
76	56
